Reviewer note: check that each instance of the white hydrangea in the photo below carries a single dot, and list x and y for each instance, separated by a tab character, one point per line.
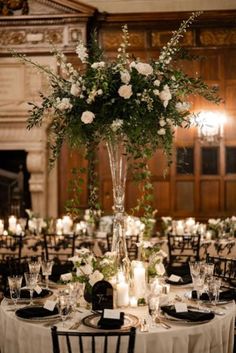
157	83
162	122
63	104
87	117
125	91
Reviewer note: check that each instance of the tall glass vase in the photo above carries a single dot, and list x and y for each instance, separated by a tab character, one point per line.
118	166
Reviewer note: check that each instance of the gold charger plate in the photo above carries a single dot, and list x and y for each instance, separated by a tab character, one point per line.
129	321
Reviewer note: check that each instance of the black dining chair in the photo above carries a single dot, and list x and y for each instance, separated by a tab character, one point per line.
91	342
58	247
182	249
224	267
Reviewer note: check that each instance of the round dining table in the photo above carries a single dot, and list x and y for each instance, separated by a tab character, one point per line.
214	336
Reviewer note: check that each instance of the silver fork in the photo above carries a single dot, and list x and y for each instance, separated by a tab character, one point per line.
162	323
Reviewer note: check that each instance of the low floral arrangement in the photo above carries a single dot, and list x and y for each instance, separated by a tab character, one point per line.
141	101
222	227
90	269
154	257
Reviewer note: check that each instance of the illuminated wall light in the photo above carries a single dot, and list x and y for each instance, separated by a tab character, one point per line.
210	126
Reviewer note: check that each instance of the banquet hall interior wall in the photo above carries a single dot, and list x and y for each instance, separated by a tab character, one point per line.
204	185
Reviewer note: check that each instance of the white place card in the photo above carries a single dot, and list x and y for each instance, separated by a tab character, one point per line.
38	289
181	307
111	314
66	276
50	304
174	278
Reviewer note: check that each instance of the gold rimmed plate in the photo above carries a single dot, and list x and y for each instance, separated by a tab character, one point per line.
129	321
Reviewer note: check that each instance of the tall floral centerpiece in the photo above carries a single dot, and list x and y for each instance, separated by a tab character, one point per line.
131	105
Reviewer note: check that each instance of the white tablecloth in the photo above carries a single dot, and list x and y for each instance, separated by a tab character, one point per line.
215	336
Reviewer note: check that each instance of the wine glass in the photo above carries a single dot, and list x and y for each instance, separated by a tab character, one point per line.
15	283
64	304
47	270
34	267
31	282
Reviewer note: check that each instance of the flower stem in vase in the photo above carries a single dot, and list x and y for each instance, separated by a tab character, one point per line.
118	166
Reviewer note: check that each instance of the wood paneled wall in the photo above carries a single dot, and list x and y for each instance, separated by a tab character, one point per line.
213	38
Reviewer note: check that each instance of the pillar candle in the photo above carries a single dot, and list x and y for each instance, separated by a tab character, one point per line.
12	224
122	288
1	226
139	279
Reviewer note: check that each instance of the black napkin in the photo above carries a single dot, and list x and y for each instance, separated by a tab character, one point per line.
193	316
186	279
227	295
24	294
110	323
30	312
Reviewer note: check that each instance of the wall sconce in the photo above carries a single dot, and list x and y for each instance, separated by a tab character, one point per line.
210	126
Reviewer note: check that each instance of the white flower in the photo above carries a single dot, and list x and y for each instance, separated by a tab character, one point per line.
87	117
99	92
75	89
63	104
156	92
95	277
81	51
165	95
157	83
160	269
144	69
98	65
162	122
116	124
161	131
125	76
125	91
74	259
182	106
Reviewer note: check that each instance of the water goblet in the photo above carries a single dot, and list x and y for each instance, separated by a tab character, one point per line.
195	268
64	304
217	285
14	283
153	306
31	282
47	270
34	267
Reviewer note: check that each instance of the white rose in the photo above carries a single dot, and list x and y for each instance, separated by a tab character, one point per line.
125	91
161	131
75	89
64	104
125	77
144	69
95	277
156	92
87	117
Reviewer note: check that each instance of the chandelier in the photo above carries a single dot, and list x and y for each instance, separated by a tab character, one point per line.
210	126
